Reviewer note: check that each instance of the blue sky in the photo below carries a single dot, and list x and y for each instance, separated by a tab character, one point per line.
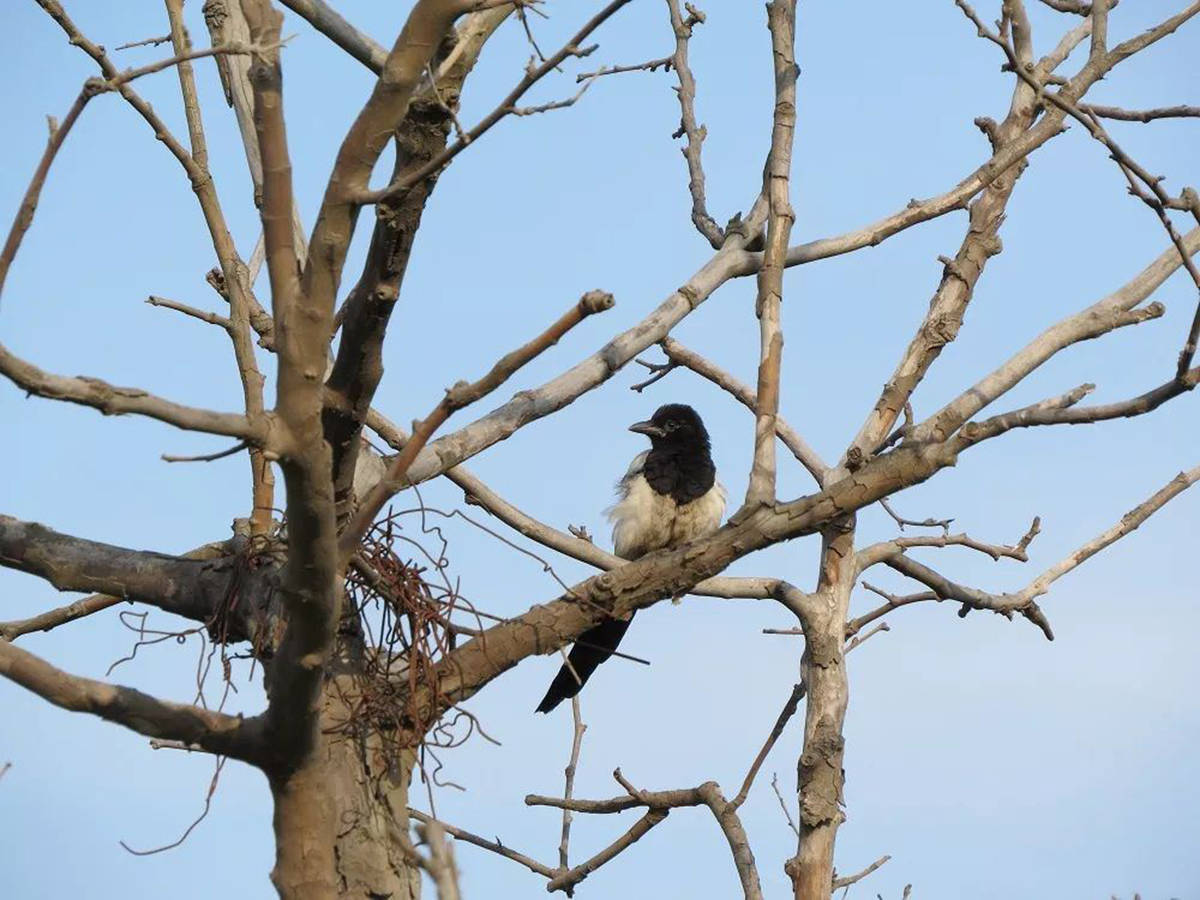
986	761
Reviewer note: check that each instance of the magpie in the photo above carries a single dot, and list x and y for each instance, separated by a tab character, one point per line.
669	496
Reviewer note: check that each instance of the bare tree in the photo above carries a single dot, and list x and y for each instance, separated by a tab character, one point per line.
367	657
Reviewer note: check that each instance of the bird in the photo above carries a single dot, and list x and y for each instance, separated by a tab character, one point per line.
670	495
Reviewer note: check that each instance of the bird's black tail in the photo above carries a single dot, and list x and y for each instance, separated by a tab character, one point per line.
592	648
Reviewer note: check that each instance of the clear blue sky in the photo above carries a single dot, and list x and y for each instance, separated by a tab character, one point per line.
988	762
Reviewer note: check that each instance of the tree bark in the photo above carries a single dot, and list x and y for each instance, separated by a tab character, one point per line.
820	776
339	818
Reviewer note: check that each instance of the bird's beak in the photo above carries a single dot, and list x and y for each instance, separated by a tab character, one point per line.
647	428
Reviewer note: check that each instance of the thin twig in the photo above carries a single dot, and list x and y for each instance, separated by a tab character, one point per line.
858	641
148	42
507	106
547	107
460	395
839	883
1157	198
207	457
10	631
679	355
24	216
651	66
943	524
782	805
576	743
202	314
494	846
781	20
789	710
688	127
114	83
1141	115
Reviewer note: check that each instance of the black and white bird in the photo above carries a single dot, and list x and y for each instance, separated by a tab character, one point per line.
669	496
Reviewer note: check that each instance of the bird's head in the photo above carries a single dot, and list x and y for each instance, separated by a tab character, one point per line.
674	425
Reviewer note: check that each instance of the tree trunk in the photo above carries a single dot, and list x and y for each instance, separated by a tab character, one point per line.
820	777
338	817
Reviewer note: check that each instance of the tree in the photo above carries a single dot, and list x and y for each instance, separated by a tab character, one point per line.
367	655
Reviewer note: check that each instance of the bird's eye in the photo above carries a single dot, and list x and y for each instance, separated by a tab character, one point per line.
671	425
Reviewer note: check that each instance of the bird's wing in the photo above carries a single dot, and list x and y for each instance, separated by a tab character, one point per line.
713	504
635	469
632	515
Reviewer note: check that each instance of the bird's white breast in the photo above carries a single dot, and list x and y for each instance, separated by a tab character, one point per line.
645	521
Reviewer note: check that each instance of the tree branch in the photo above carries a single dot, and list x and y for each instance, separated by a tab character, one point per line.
972	598
366	312
494	846
330	23
679	355
114	400
839	883
1002	159
531	405
781	20
25	212
569	782
1062	410
476	491
233	270
457	397
507	106
854	626
1157	199
310	588
1141	115
662	802
688	127
48	621
1021	601
669	573
366	139
215	732
1129	523
981	241
196	586
785	715
566	880
877	553
1114	311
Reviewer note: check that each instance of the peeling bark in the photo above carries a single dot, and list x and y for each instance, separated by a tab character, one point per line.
820	777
